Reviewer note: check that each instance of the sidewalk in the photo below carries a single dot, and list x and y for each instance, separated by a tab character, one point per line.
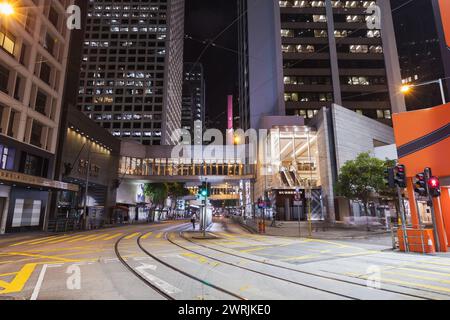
319	230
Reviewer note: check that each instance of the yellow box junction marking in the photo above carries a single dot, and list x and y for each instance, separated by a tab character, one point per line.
19	281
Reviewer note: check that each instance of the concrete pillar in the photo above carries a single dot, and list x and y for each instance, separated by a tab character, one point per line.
445	206
412	204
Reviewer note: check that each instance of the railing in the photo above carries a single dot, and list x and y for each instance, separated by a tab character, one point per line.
412	239
63	225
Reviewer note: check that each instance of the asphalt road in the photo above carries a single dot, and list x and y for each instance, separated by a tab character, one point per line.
169	261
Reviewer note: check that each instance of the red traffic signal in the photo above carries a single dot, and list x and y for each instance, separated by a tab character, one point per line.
434	186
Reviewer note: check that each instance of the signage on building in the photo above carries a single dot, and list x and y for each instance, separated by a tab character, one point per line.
444	5
16	177
94	170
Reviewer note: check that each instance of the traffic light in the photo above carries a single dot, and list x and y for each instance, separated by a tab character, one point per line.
421	185
205	189
389	176
434	186
400	176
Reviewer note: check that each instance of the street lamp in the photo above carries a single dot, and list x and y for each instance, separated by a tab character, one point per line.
407	88
6	9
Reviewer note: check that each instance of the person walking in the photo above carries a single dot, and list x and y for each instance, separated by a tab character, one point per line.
194	220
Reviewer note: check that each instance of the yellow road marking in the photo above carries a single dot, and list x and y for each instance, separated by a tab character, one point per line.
17	284
84	238
159	235
311	256
99	237
147	235
131	236
113	237
28	241
363	253
425	271
410	284
199	258
48	240
25	254
417	277
253	249
62	240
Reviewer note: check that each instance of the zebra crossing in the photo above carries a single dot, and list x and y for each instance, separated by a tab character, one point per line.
88	238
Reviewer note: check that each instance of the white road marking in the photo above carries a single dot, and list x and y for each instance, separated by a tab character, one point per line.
166	287
38	286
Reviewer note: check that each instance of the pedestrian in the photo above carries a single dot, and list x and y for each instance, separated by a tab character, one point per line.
193	220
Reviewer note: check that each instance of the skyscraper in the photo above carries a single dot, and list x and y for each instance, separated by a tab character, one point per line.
323	52
131	78
422	50
193	107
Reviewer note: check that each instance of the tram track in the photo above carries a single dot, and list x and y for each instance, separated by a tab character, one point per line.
254	271
168	265
284	268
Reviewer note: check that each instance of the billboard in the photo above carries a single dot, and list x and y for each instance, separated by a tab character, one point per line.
444	6
423	140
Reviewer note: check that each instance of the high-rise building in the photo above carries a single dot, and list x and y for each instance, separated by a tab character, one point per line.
243	80
132	68
33	59
422	50
324	52
331	54
193	105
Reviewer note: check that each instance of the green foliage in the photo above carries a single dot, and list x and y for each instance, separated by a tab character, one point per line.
159	192
362	177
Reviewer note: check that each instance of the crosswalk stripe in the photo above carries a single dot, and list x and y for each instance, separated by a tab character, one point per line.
131	236
147	235
48	240
65	239
98	238
82	238
113	237
33	240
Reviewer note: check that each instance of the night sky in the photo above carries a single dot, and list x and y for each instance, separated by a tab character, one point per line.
204	20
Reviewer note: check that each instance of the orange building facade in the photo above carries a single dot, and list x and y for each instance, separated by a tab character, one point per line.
423	140
444	6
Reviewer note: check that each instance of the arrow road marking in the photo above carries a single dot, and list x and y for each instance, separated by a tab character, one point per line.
17	284
166	287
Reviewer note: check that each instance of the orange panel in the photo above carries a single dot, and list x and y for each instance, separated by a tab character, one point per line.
415	240
410	126
445	14
445	204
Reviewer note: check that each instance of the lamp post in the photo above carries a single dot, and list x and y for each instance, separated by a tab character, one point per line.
6	9
408	87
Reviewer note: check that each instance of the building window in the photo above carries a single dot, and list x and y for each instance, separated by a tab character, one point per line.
4	79
7	42
6	158
45	72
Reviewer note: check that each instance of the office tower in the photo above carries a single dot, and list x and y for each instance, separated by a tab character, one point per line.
243	72
193	108
131	78
33	58
422	51
333	52
322	52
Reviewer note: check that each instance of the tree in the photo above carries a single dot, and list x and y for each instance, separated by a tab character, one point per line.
158	192
361	178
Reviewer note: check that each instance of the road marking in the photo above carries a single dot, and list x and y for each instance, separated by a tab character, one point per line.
38	286
165	286
18	283
26	254
131	236
408	284
159	235
418	277
48	240
310	256
28	241
113	237
98	237
59	241
84	238
425	271
147	235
